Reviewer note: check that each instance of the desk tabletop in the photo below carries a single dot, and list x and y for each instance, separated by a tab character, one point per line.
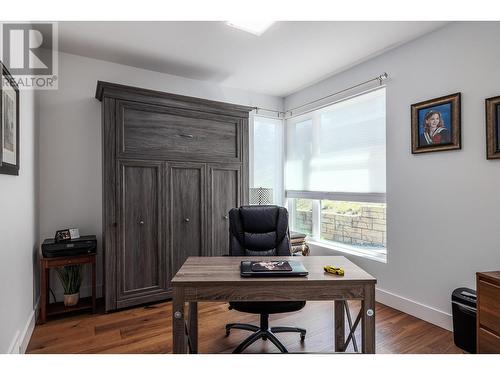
198	271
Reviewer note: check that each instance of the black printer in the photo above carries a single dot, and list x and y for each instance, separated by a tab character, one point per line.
77	246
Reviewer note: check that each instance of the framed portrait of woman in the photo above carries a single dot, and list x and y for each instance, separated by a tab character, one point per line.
9	129
435	125
493	128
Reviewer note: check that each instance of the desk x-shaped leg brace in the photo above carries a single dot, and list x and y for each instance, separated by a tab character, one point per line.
352	327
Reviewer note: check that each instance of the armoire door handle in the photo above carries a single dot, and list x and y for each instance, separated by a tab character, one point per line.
190	136
186	220
141	222
225	217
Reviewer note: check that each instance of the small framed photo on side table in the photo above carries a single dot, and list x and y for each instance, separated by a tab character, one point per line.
435	125
493	128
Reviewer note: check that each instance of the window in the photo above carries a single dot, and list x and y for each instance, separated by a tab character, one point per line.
335	172
302	209
266	161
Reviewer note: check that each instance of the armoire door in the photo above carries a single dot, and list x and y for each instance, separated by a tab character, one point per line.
186	212
224	194
142	265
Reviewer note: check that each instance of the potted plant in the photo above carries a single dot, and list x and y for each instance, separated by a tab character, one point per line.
71	280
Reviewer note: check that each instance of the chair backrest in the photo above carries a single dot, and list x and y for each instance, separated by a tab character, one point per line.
259	230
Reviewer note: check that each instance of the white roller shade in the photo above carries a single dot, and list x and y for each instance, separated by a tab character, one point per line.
339	148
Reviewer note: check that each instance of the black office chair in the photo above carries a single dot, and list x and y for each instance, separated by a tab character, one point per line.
261	231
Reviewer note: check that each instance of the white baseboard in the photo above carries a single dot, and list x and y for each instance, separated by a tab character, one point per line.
417	309
22	338
28	329
14	345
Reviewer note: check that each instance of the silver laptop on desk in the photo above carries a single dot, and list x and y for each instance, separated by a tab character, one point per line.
297	270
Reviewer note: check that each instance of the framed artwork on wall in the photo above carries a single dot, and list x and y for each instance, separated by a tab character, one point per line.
435	124
9	128
493	128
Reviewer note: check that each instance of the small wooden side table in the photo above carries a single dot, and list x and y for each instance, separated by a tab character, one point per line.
48	309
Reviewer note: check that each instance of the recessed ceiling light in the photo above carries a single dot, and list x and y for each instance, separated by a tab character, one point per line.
256	27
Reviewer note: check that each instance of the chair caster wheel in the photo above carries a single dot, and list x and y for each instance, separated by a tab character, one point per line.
302	337
264	338
227	332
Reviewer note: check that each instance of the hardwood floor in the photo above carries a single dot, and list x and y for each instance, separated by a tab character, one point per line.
148	330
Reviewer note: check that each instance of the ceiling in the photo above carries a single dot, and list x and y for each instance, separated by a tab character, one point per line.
289	56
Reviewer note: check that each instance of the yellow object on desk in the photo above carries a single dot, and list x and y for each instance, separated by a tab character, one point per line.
335	270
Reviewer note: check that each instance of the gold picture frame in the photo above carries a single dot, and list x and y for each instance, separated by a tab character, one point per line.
436	124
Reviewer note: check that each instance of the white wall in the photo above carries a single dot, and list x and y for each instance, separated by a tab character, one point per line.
70	138
443	208
18	237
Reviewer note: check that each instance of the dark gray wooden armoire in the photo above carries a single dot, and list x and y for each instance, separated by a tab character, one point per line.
173	166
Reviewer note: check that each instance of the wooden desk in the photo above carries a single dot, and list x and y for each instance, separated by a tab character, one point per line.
205	279
46	264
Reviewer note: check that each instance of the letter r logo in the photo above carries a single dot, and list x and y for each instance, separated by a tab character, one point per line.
27	48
